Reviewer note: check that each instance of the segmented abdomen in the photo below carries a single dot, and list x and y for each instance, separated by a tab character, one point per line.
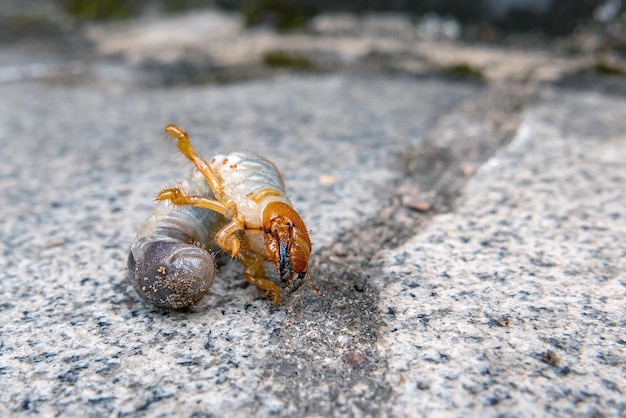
247	172
243	174
168	264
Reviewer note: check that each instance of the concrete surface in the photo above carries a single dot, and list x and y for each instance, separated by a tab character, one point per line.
506	297
513	303
80	179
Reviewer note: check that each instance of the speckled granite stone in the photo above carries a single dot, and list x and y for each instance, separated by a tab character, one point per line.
81	165
515	304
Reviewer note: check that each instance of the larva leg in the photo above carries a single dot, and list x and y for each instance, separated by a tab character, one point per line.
184	145
253	272
226	238
315	288
177	197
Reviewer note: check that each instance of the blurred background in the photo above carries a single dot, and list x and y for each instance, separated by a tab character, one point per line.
172	42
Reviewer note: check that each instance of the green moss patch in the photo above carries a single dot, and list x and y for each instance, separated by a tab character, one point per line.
283	59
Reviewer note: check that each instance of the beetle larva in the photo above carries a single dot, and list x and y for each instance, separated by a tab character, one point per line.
261	223
168	264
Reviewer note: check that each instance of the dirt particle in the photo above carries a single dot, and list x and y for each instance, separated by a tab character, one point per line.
354	358
423	385
504	321
416	203
551	358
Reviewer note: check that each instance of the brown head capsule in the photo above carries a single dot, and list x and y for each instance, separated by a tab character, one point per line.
287	243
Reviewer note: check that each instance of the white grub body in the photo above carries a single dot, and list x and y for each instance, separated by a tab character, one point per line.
169	264
242	175
179	224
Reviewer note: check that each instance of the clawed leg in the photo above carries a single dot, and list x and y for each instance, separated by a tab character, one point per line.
253	272
177	197
315	288
225	237
184	145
